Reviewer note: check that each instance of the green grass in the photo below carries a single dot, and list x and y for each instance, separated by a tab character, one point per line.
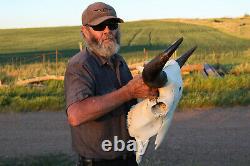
46	97
11	73
228	91
45	160
38	39
199	92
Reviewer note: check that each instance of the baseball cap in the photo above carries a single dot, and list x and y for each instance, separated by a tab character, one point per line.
97	13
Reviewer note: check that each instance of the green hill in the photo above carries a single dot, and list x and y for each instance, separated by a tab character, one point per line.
154	35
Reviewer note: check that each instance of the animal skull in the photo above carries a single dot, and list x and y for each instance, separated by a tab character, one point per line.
153	117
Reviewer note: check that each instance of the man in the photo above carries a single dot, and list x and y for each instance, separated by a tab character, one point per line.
99	90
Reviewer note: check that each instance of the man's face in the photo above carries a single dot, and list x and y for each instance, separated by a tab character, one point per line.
103	39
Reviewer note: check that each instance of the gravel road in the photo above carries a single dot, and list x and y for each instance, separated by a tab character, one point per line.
211	137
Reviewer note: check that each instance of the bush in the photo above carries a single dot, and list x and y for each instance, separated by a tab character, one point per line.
217	20
246	15
6	79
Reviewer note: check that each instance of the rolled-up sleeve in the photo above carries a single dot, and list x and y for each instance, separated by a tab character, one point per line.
78	83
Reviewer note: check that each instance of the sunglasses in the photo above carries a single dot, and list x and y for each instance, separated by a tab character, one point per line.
102	26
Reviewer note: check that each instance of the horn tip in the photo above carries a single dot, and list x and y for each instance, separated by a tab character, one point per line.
180	39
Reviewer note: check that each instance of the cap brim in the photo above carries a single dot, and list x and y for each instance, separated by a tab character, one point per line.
102	19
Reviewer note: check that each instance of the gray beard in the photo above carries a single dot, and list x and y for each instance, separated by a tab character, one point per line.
105	48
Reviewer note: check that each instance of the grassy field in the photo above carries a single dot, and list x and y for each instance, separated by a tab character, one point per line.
153	35
238	27
210	92
226	48
199	92
49	96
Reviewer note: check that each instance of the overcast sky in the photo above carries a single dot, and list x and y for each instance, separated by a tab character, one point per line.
44	13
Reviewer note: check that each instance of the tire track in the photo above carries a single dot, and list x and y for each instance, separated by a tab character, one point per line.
150	38
134	36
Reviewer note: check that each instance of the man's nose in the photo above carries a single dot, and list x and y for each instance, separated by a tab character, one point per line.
106	30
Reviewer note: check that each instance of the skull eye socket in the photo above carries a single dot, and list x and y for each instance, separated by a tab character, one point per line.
159	109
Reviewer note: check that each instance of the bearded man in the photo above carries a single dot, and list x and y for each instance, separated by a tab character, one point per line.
99	90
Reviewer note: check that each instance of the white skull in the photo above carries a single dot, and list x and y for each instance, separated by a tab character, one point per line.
153	117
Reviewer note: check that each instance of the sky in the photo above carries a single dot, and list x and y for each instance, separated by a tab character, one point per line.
47	13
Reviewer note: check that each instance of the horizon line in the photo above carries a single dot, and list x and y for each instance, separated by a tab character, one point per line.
134	20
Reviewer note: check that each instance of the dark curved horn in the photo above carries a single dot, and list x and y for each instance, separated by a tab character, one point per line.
182	59
152	73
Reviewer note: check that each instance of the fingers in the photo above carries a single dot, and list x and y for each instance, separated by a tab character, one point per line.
138	89
147	91
153	93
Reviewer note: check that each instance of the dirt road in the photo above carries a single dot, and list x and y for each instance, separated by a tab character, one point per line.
199	138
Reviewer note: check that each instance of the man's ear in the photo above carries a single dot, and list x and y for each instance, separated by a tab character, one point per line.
84	30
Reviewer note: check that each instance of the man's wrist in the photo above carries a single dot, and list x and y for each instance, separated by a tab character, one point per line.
127	92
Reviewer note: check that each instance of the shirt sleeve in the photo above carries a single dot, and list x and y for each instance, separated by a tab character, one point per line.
78	84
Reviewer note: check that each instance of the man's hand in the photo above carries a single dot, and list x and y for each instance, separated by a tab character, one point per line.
138	89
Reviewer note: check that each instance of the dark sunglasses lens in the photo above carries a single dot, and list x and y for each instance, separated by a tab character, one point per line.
101	27
113	26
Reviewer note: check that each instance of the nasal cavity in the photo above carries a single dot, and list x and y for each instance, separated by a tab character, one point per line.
159	109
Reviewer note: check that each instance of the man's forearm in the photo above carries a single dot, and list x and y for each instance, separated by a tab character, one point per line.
94	107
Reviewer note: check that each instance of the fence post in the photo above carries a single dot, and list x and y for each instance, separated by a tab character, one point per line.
43	56
48	62
145	52
16	63
56	60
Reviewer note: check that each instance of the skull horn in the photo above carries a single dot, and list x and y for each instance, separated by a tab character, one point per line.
152	73
182	59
